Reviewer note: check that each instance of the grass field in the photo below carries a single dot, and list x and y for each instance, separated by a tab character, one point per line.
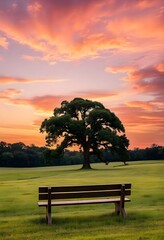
21	218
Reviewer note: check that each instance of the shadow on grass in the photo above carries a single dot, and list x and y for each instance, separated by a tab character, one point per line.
113	168
84	221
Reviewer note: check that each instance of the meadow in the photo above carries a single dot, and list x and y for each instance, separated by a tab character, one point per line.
21	218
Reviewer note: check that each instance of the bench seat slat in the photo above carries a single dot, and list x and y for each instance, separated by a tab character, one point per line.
79	202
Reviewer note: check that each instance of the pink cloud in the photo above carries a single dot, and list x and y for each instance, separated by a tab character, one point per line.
43	103
140	117
148	80
75	29
34	7
117	69
47	57
31	58
8	79
49	102
144	80
1	58
3	42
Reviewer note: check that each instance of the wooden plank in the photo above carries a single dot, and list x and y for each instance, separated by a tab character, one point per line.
48	214
123	193
44	189
81	202
67	195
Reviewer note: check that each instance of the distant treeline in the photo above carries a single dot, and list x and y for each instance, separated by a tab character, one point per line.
20	155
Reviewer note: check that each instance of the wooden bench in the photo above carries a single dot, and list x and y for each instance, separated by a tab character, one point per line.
87	194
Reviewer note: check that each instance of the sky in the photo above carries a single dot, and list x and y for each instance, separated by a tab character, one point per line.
109	51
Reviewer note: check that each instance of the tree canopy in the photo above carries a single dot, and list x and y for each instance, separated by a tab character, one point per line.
87	124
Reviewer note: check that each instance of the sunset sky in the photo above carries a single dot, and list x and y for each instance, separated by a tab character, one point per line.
109	51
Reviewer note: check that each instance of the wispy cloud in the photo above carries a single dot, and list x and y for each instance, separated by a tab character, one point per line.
75	29
8	79
43	103
126	37
96	94
9	93
3	42
141	116
117	69
145	105
48	102
147	80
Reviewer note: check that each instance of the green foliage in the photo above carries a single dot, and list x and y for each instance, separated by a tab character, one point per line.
87	124
20	155
30	156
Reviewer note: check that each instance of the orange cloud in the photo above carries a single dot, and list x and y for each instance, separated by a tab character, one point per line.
139	26
6	80
140	113
3	42
144	80
8	93
160	67
67	30
142	105
49	102
118	69
43	103
96	94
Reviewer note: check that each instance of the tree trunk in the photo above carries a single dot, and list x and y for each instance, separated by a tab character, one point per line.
86	163
86	166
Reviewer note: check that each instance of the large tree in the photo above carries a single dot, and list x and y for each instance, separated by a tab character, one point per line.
87	124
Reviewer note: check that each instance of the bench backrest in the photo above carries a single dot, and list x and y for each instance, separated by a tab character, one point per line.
86	191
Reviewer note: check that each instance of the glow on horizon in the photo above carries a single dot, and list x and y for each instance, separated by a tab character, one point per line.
108	51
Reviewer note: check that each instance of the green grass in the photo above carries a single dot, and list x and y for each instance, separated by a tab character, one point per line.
21	218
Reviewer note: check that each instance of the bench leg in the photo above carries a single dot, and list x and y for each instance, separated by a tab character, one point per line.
119	209
123	213
122	201
48	216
